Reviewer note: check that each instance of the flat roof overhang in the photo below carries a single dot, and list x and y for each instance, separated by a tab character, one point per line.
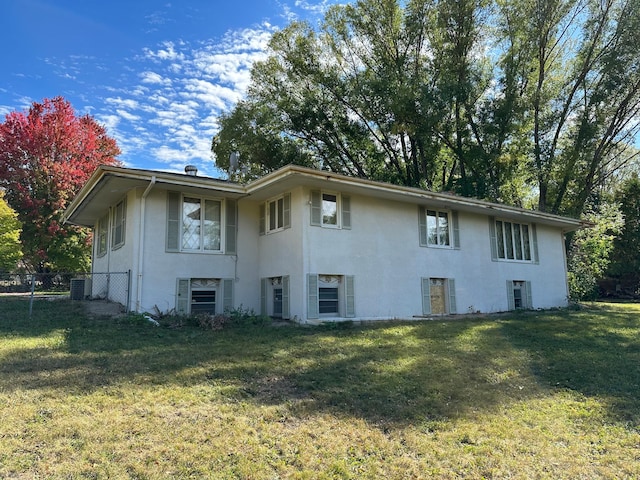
108	185
293	176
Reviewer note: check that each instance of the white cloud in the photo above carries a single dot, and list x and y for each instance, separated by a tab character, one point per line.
154	78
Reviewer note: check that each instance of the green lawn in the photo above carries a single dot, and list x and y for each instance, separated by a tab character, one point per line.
542	395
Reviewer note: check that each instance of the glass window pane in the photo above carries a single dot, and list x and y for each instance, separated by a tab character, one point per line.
517	241
329	209
508	239
500	239
280	212
525	242
211	234
277	302
272	215
432	228
191	223
203	301
328	300
443	228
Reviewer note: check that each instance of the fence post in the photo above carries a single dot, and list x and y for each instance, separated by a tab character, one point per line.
128	307
33	289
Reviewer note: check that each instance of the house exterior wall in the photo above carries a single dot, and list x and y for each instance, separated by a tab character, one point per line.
162	269
379	252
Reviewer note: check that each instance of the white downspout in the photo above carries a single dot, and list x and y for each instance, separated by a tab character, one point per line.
143	203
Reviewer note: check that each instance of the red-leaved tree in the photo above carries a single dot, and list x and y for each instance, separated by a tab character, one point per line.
46	156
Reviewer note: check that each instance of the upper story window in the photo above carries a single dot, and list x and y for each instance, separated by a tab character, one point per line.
195	224
200	224
513	241
119	220
275	214
438	228
102	235
330	209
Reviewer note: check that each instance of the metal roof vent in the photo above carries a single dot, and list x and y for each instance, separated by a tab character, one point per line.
191	170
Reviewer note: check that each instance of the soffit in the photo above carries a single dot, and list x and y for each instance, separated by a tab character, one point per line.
291	177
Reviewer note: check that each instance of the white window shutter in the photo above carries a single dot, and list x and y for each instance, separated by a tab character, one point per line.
350	298
182	296
426	296
534	241
510	300
422	225
452	296
286	211
493	239
173	222
286	313
346	212
227	294
263	218
312	296
231	224
456	229
316	208
529	299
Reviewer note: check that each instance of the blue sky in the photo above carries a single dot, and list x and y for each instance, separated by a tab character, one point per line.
157	74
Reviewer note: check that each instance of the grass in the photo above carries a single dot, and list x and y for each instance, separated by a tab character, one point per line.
539	395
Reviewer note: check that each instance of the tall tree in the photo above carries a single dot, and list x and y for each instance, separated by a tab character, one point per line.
625	258
10	252
520	101
578	69
46	155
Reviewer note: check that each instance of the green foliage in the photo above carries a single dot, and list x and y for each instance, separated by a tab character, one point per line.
590	250
236	317
528	103
625	258
46	155
10	252
545	395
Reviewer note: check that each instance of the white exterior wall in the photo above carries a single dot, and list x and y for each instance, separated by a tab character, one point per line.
381	250
161	269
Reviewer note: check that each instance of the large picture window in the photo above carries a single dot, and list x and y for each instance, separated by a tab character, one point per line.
513	241
195	224
200	224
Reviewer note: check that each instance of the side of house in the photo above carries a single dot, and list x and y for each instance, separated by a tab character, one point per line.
313	246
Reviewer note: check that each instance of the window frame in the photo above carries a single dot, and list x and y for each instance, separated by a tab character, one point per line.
173	225
437	213
201	242
449	294
281	212
521	244
342	209
118	224
102	236
345	288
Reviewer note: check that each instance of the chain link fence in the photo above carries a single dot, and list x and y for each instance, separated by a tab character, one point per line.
111	286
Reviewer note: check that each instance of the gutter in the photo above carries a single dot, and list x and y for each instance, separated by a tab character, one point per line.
143	203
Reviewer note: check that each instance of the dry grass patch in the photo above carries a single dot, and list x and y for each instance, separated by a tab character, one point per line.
546	395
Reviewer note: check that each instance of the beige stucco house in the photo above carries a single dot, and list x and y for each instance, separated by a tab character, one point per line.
310	246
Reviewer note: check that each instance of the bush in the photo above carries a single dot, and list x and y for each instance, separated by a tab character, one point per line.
237	317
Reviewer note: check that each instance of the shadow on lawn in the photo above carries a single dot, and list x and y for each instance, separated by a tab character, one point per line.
388	374
595	352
